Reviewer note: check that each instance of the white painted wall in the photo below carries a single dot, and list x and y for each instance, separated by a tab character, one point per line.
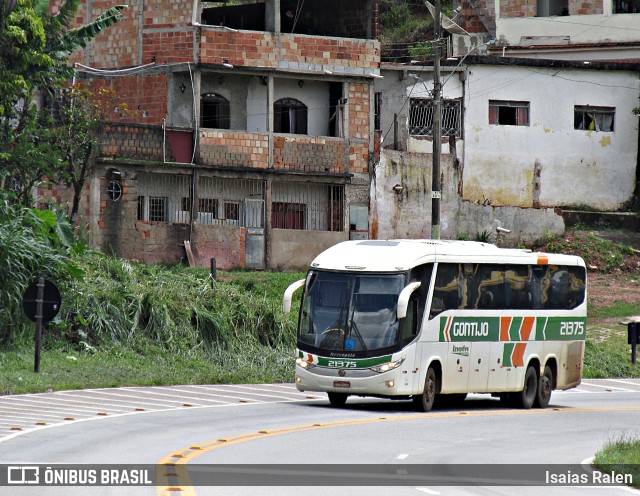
580	28
315	95
594	169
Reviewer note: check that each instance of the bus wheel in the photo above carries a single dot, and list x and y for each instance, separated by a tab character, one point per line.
424	402
526	397
337	399
545	386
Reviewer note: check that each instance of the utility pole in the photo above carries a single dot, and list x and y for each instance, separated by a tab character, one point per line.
437	128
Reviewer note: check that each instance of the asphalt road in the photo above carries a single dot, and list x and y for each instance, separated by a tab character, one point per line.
203	426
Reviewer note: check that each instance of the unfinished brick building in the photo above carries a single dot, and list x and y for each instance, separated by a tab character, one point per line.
247	131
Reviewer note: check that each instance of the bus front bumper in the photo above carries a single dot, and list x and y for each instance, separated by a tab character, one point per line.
391	383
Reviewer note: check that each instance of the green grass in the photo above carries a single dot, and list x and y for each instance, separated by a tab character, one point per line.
132	324
620	456
64	369
607	354
618	309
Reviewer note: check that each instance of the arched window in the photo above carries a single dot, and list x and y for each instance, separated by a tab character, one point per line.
215	111
290	116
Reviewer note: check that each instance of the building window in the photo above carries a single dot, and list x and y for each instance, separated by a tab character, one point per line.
208	205
290	116
288	215
215	111
626	6
548	8
593	118
141	205
158	208
232	210
114	190
421	112
377	105
508	113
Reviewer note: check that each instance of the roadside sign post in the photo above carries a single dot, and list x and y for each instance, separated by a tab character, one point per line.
41	303
39	300
633	331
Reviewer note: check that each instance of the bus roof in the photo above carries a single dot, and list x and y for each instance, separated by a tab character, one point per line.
396	255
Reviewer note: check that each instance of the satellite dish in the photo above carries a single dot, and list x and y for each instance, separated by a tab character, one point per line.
445	22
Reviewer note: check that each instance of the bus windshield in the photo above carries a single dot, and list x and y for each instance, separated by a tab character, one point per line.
346	314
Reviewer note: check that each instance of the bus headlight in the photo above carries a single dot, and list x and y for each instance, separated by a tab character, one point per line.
302	363
386	367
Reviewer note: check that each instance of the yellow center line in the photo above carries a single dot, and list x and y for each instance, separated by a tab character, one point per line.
173	478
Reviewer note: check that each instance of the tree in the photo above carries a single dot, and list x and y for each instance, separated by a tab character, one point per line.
77	119
34	50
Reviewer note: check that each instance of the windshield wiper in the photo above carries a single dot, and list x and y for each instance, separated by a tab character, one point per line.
360	338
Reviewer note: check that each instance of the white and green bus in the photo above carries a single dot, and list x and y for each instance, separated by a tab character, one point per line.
427	319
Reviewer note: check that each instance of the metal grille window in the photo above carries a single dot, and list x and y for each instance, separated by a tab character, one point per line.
315	207
508	113
164	197
158	208
593	118
421	112
232	202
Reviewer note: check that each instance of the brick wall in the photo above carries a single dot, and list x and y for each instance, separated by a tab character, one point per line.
518	8
168	46
585	7
255	49
470	20
234	148
359	120
138	99
309	153
134	142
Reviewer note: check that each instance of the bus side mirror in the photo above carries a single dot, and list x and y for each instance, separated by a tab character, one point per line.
403	299
288	295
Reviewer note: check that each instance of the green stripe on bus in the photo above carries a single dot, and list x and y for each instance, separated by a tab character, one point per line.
506	354
514	329
488	329
471	329
566	328
541	323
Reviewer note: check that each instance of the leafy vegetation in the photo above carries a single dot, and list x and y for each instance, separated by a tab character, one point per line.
406	30
598	253
34	46
621	456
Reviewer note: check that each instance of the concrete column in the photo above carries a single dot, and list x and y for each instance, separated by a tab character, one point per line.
272	16
197	85
270	116
267	222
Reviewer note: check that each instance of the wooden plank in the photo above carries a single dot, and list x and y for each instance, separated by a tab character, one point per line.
187	248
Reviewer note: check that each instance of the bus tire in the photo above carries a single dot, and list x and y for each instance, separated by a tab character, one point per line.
424	402
525	398
337	399
545	386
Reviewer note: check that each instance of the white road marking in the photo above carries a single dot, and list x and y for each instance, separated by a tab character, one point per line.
67	407
426	491
605	386
402	457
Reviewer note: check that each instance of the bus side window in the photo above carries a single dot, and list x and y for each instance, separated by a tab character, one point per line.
516	291
577	283
410	324
446	294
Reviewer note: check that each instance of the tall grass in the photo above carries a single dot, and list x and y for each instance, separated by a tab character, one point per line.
177	308
30	247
